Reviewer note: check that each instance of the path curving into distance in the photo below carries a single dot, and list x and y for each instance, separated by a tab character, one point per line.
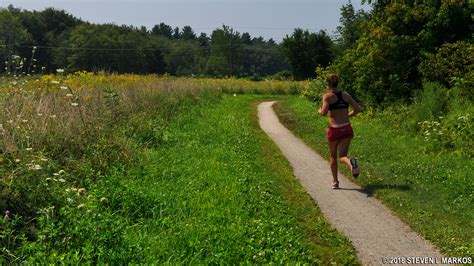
374	231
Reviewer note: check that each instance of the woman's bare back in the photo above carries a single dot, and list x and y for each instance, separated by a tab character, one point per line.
338	117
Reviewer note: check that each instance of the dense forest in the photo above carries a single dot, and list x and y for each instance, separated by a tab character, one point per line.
43	41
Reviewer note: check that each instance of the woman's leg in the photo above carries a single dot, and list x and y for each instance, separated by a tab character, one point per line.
343	150
333	159
350	163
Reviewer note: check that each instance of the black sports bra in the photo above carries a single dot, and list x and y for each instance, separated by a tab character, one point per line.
340	104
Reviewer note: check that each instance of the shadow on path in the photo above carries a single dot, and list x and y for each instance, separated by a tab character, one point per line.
371	188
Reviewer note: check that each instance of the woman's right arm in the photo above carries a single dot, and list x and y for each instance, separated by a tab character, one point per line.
356	108
325	106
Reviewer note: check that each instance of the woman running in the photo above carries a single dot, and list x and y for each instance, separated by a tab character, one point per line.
339	132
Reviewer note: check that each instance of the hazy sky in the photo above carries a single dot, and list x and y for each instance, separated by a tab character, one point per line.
267	18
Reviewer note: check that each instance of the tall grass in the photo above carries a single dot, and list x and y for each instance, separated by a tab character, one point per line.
442	117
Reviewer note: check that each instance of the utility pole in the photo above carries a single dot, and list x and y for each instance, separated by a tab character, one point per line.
230	56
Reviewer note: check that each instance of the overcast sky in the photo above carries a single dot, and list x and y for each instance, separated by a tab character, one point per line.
267	18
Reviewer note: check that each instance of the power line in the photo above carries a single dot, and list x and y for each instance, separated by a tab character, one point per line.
258	28
247	49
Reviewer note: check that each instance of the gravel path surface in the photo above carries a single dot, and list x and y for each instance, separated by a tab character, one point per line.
376	233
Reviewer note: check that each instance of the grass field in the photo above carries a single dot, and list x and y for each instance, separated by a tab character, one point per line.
127	168
432	192
124	169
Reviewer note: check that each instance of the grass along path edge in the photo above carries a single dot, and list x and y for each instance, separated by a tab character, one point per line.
431	193
234	195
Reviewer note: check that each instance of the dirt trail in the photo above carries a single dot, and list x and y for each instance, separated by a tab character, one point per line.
374	231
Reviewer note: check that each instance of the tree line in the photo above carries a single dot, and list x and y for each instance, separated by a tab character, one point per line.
51	39
382	55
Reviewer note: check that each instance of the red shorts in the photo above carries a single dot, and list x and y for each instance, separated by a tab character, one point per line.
338	133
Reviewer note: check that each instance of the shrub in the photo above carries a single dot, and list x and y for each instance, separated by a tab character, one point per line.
452	60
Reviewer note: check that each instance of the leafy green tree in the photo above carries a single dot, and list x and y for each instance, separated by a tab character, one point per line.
188	33
350	29
262	59
176	34
184	58
383	65
226	52
203	40
258	40
162	30
12	36
246	39
452	60
112	48
50	28
305	51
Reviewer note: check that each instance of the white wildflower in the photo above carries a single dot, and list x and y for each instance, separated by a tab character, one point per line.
69	95
64	87
7	216
52	116
74	104
29	149
60	70
104	200
55	82
37	167
62	180
81	191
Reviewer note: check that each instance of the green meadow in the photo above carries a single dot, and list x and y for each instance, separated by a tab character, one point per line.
139	170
